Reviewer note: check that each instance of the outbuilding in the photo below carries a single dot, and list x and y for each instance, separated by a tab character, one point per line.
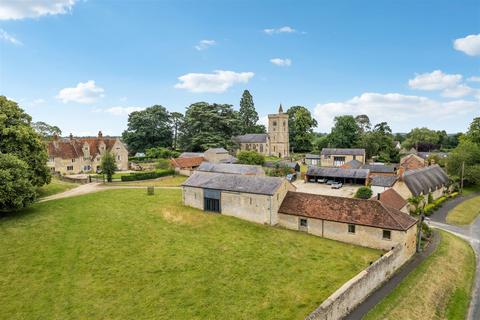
366	223
252	198
230	168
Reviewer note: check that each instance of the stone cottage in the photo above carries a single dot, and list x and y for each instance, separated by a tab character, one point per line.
331	157
77	155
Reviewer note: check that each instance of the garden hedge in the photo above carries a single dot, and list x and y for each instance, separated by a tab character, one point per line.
147	175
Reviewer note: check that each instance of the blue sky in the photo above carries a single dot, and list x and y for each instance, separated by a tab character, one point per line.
83	65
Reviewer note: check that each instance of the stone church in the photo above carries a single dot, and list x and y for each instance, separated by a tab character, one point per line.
274	143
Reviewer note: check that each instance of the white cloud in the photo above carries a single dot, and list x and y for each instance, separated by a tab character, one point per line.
285	29
459	91
281	62
216	82
397	109
436	80
469	45
474	79
86	92
205	44
21	9
123	111
9	38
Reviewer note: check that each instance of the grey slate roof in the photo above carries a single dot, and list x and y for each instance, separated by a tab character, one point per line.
337	172
354	164
234	182
191	154
426	155
312	156
425	180
282	163
383	181
231	168
251	138
342	151
380	168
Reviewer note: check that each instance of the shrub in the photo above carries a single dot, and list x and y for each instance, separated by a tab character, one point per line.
250	157
453	194
147	175
163	164
426	231
108	165
16	189
429	208
439	201
162	153
430	198
363	193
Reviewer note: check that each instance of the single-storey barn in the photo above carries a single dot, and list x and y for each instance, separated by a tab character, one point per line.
367	223
252	198
245	169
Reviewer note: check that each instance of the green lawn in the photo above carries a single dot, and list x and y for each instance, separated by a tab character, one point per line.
440	288
471	189
169	181
54	187
120	254
465	212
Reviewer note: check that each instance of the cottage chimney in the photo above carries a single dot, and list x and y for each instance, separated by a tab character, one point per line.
100	135
71	136
401	171
378	196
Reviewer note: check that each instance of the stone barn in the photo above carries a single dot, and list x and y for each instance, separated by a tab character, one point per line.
252	198
367	223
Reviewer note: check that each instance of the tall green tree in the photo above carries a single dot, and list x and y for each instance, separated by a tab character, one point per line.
467	153
18	137
300	124
149	128
177	121
422	139
345	132
363	122
209	125
248	115
16	188
108	165
45	130
473	133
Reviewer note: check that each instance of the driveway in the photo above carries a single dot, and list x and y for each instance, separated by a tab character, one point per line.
470	233
347	191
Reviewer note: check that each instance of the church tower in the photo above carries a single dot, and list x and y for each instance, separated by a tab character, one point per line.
278	140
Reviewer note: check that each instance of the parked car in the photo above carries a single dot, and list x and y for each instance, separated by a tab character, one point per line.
322	180
311	180
337	185
329	182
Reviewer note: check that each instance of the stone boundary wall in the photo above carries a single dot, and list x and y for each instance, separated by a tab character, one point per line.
357	289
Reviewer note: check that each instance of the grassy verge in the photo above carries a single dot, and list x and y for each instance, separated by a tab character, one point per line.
120	254
54	187
465	212
170	181
470	189
440	288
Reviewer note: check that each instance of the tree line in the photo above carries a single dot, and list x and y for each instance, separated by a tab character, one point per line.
205	125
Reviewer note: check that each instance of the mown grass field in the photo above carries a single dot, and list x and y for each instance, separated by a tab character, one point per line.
54	187
440	288
120	254
465	213
169	181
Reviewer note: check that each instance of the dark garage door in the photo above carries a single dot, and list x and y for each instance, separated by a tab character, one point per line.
211	200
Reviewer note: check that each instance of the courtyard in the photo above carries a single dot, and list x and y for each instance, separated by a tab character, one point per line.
347	190
120	254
